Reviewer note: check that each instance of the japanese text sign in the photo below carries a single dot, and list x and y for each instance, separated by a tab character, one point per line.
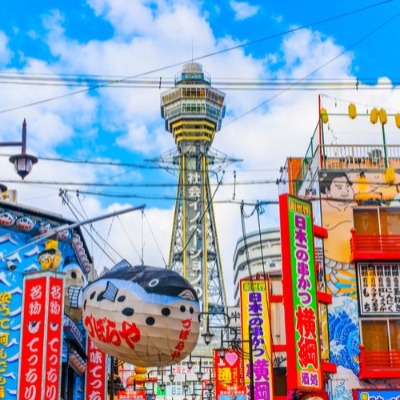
40	374
300	296
254	294
228	373
96	384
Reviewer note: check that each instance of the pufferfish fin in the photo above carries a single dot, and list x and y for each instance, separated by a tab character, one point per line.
187	294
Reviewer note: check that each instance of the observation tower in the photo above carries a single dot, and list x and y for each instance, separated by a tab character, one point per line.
193	111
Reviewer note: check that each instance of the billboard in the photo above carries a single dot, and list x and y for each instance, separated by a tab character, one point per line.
41	336
300	295
228	374
96	379
254	295
376	394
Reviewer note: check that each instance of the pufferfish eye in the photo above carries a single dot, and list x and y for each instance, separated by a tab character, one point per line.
154	282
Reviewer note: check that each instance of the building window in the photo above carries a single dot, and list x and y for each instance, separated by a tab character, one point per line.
377	220
381	335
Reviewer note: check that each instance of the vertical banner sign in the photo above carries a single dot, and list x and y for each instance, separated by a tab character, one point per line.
228	374
96	383
41	338
300	295
55	310
32	338
254	297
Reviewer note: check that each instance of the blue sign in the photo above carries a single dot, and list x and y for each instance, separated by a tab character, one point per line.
378	395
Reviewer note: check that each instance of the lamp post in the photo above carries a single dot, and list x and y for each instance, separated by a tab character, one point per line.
23	162
235	344
161	384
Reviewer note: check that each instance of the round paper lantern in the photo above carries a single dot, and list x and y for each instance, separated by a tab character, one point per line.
146	316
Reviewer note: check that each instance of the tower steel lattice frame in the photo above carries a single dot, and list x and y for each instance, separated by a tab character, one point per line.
193	111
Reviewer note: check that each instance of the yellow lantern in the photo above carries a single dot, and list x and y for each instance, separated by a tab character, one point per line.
373	117
390	175
397	120
382	116
324	115
352	111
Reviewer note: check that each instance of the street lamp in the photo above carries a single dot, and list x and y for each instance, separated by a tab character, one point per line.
222	317
232	343
23	162
162	385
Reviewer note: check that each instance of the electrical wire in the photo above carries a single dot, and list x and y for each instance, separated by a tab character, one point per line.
208	55
347	49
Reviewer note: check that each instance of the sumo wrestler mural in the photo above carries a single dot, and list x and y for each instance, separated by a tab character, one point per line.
146	316
368	202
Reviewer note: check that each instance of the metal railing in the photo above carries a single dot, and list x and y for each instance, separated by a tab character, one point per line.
379	363
374	247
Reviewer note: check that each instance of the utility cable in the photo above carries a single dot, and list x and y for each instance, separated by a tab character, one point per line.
155	240
242	45
312	72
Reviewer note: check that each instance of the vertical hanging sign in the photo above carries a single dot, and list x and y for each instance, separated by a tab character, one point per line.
40	370
254	297
228	374
96	384
55	312
300	295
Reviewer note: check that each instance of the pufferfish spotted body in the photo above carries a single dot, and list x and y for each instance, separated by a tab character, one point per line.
146	316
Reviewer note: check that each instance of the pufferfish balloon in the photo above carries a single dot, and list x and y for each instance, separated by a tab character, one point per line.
146	316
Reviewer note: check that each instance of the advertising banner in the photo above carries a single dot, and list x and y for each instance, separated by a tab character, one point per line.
254	295
228	374
54	338
40	374
300	294
376	394
96	377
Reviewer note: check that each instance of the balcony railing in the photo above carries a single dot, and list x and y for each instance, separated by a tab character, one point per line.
379	364
374	247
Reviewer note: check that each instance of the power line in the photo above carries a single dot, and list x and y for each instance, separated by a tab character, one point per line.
242	45
314	71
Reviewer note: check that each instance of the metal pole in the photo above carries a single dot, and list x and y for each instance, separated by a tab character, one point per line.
384	146
61	228
112	379
251	370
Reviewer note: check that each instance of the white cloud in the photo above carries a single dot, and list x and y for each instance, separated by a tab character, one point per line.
243	9
5	52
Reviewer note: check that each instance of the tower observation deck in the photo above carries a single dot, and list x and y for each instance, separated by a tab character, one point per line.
193	111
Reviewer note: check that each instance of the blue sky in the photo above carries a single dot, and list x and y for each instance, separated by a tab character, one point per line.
48	45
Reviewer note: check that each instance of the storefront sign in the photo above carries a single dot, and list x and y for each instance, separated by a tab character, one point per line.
254	294
299	292
378	288
40	373
228	374
376	394
96	382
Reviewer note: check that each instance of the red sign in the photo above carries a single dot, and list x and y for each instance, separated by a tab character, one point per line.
32	340
96	383
40	372
228	373
54	342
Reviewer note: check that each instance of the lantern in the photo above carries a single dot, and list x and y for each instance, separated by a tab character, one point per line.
374	116
324	115
382	116
352	111
146	316
397	120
